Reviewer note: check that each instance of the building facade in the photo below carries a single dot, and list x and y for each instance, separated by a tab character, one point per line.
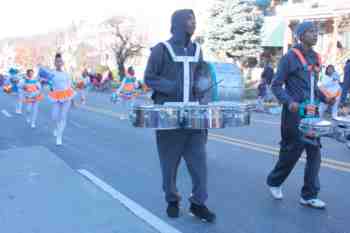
332	17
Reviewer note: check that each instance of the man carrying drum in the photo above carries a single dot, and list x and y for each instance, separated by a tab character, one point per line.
295	71
170	74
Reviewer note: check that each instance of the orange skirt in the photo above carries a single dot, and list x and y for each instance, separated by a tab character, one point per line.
329	94
62	95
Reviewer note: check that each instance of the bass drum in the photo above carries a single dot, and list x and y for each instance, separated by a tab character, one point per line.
229	77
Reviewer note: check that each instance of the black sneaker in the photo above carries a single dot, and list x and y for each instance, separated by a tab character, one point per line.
173	209
202	212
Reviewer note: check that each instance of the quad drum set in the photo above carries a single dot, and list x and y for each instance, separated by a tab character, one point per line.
215	115
338	128
218	115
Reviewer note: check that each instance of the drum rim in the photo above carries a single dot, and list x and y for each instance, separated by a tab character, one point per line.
155	107
342	120
303	123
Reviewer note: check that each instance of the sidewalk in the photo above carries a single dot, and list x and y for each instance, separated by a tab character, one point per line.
40	193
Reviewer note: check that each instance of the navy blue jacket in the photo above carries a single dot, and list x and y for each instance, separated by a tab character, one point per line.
267	74
291	82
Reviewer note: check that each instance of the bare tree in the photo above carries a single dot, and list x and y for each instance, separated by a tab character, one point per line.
125	42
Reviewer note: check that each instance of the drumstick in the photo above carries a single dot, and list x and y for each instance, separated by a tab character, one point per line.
215	84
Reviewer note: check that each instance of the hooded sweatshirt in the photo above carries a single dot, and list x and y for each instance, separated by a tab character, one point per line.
166	76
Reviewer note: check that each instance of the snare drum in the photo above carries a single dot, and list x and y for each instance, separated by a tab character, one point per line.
316	127
203	117
342	128
156	116
235	114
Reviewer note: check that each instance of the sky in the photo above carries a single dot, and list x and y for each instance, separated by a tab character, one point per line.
29	17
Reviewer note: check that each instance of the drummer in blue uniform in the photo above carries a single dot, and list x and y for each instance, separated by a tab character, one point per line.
292	86
170	73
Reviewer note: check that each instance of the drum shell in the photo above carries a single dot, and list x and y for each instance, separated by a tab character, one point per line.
236	118
341	130
235	114
318	130
203	117
156	117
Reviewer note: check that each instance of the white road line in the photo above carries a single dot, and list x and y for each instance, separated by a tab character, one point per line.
76	124
138	210
6	113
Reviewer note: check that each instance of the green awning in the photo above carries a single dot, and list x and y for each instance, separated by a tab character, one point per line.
273	32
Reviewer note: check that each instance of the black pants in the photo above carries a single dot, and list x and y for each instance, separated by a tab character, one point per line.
345	91
191	146
291	150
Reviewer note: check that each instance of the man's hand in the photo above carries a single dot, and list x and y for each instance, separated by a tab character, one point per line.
311	109
293	107
330	100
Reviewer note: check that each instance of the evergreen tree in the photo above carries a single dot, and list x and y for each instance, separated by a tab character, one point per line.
234	28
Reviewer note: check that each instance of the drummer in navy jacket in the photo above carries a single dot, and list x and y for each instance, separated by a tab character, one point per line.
166	75
291	86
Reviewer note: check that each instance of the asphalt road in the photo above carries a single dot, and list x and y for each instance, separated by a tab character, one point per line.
99	138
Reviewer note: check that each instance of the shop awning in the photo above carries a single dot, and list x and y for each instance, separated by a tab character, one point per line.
273	32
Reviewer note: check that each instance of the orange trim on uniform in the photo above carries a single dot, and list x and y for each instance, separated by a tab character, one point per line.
7	88
128	87
62	94
304	62
31	88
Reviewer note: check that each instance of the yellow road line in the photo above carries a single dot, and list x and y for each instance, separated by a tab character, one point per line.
340	166
275	149
330	163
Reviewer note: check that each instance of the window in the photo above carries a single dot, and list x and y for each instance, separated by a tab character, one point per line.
346	40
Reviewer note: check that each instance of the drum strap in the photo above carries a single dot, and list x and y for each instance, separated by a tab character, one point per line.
307	67
185	60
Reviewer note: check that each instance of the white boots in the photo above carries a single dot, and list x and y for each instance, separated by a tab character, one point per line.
58	133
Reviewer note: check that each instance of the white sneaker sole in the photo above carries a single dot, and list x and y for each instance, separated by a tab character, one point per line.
275	196
58	143
194	216
307	204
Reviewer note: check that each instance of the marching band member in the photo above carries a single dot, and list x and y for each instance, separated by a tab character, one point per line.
14	80
127	89
62	94
81	86
292	86
170	73
31	88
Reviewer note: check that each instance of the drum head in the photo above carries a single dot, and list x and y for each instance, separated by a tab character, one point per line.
315	122
146	106
342	120
238	106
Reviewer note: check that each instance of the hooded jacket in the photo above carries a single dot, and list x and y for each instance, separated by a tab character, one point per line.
292	83
166	76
